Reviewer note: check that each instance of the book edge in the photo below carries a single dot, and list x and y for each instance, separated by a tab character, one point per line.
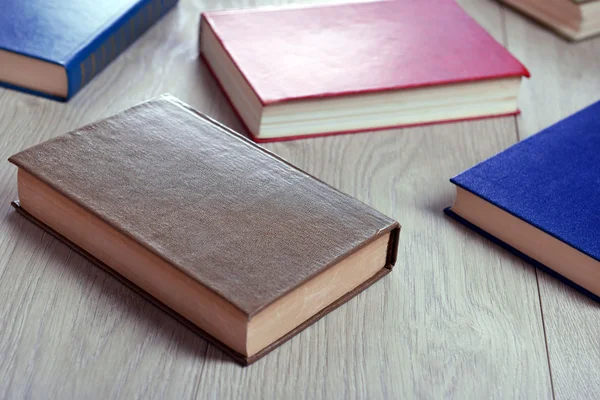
536	226
383	128
520	254
237	357
252	136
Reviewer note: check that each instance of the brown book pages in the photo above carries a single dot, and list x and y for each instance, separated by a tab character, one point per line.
228	213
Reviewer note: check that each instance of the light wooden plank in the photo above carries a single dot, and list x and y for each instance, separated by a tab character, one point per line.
457	318
565	78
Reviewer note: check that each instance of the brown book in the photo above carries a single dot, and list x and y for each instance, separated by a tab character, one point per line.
238	244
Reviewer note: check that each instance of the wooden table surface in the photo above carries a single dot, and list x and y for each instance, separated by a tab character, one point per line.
457	318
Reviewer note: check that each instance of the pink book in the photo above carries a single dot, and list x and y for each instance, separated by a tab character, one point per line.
293	72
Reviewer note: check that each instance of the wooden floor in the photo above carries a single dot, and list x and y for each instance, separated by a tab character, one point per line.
458	317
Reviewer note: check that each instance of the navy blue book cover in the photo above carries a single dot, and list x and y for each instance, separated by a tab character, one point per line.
550	180
83	36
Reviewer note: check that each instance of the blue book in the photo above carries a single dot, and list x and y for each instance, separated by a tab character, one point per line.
540	199
53	48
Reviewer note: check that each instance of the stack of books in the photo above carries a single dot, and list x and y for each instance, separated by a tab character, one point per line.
238	244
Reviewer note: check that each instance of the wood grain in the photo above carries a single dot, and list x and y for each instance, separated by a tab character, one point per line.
565	79
457	318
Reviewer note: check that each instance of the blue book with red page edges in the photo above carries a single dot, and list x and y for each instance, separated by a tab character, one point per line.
53	48
540	199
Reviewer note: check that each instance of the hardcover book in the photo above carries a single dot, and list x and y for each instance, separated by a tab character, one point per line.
238	244
573	19
306	71
539	199
53	48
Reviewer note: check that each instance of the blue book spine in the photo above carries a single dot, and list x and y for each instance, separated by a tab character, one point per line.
88	62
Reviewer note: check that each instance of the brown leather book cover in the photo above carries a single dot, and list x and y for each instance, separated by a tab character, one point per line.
234	217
